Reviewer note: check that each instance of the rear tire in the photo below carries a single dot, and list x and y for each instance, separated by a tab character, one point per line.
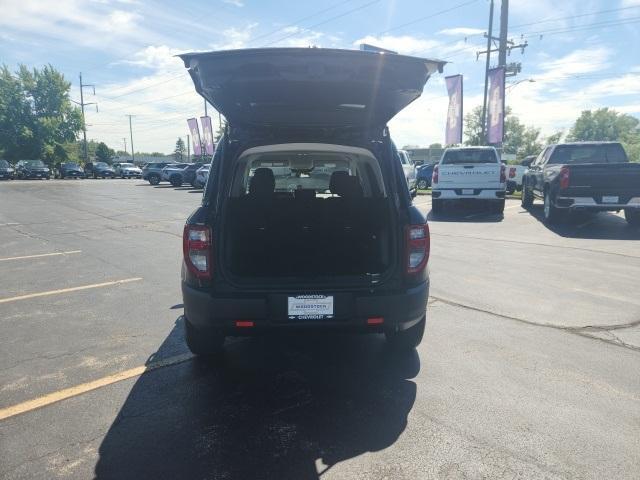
527	197
552	214
632	216
176	181
437	206
408	339
422	185
154	179
205	343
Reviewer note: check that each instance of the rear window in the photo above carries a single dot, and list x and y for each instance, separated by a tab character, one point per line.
469	156
576	154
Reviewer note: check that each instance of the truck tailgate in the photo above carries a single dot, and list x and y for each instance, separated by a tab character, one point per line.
483	175
606	176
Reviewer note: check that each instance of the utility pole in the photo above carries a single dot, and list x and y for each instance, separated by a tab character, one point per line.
504	27
124	139
133	154
84	123
188	149
486	74
205	108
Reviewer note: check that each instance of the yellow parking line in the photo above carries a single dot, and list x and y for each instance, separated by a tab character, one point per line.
24	257
67	290
66	393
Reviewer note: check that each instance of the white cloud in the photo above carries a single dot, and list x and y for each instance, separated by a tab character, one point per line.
236	3
119	20
405	44
234	37
461	31
160	57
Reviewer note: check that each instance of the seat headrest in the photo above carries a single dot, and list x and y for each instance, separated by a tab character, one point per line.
263	183
344	185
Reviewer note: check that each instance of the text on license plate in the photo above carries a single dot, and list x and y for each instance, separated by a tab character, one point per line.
467	191
609	199
310	307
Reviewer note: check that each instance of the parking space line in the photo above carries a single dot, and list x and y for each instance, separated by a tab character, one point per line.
66	393
68	290
24	257
513	206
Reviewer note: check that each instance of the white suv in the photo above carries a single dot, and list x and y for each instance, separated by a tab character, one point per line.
469	173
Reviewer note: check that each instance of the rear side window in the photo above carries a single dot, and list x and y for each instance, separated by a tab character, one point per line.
577	154
469	156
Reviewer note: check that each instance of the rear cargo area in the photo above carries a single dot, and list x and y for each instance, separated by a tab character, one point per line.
307	214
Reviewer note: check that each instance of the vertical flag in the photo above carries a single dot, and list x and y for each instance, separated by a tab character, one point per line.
453	132
495	109
207	135
195	136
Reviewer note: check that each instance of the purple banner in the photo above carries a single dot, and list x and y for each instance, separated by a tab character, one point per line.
207	135
453	132
195	136
495	109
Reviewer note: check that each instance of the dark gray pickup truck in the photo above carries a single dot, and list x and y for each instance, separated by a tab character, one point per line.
594	176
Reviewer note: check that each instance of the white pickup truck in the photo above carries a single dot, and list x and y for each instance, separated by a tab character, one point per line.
469	174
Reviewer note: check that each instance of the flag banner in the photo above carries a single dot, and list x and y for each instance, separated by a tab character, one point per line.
195	136
495	109
453	132
207	135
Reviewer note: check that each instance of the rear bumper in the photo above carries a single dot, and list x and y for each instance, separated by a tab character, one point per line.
400	311
478	194
591	203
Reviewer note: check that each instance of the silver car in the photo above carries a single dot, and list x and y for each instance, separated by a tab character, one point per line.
127	170
409	169
202	174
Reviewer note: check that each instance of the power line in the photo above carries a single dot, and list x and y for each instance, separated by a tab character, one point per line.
145	88
344	14
571	17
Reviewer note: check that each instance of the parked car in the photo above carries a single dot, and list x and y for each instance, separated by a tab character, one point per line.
152	172
469	174
99	169
6	170
588	176
189	173
424	173
68	170
32	169
127	170
172	173
281	251
202	175
409	169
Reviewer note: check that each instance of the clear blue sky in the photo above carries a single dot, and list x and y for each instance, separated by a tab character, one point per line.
582	54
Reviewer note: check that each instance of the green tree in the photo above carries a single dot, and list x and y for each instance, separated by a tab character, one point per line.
178	153
220	131
554	138
36	114
436	146
473	127
520	139
104	153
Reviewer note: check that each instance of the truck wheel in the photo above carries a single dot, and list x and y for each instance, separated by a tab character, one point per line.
201	342
632	216
497	207
176	180
422	185
527	197
154	179
551	213
437	206
408	339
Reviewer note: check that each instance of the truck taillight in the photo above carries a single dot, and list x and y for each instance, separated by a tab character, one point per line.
417	245
196	246
434	176
503	173
565	176
512	172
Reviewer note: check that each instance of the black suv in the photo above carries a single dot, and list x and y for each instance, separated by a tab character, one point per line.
306	221
99	169
69	170
26	169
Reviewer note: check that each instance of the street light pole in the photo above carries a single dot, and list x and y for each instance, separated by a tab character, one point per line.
133	154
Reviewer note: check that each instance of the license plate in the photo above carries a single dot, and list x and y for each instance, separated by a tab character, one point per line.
610	199
467	191
310	307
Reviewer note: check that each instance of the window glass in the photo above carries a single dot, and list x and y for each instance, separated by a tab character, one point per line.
580	154
469	156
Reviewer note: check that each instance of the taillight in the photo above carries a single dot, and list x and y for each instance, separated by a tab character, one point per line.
503	173
196	246
565	175
512	172
434	176
417	240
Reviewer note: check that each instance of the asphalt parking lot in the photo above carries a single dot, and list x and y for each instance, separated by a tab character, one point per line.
530	367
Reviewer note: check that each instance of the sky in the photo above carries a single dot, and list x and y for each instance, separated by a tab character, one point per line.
581	54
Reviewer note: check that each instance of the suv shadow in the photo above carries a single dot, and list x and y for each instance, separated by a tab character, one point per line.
593	226
273	407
